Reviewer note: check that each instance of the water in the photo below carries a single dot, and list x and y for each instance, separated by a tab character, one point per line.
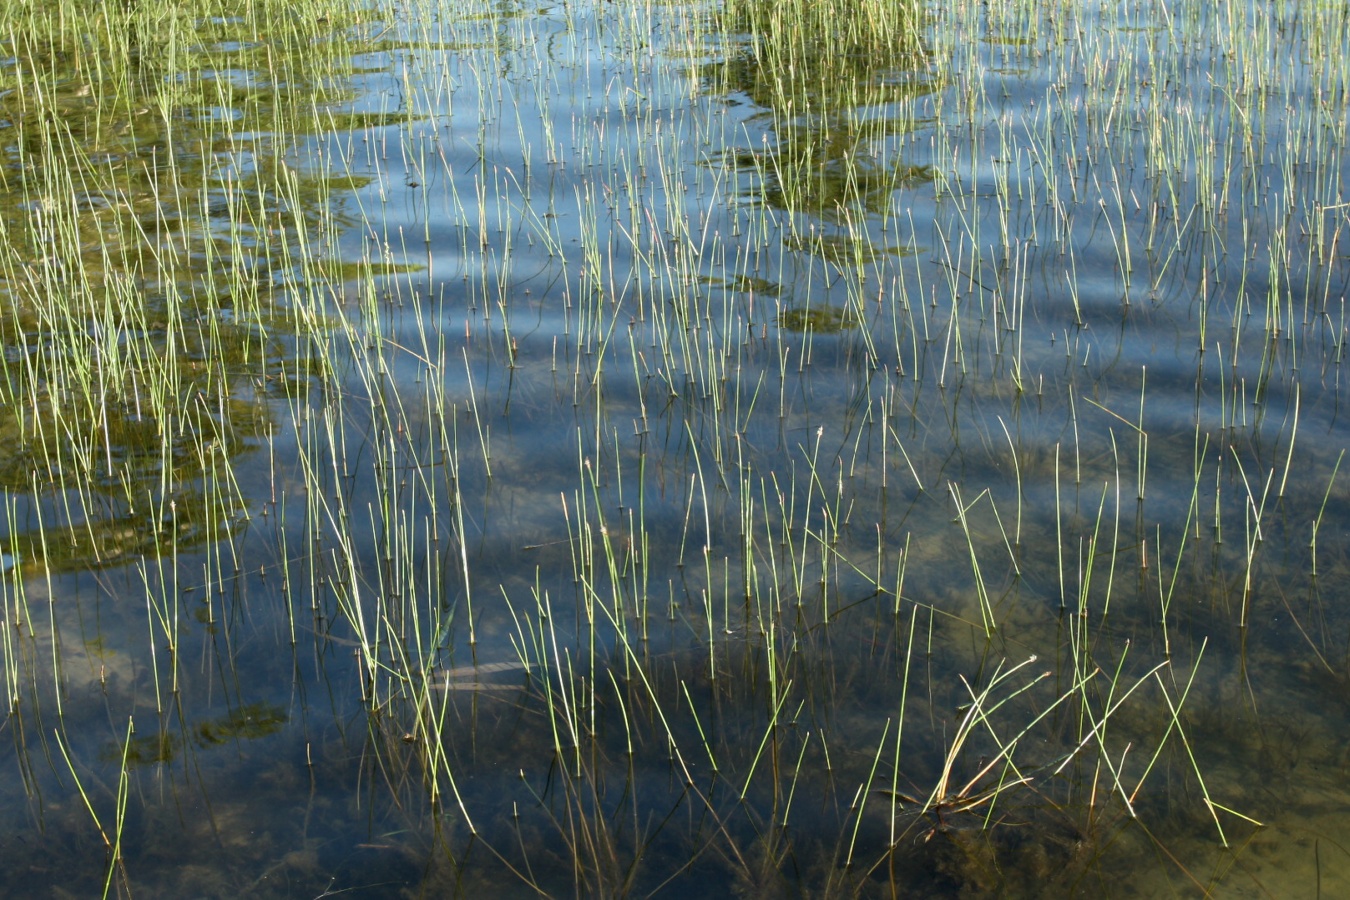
605	458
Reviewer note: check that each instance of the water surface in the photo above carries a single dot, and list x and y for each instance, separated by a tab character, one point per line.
623	449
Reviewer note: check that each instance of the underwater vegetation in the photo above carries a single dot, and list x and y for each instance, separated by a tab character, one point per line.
803	448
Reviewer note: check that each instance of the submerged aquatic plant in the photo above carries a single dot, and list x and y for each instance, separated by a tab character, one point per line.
811	447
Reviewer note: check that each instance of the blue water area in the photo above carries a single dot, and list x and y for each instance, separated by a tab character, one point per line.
698	449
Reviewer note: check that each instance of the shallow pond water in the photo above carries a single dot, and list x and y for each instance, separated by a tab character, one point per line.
807	449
